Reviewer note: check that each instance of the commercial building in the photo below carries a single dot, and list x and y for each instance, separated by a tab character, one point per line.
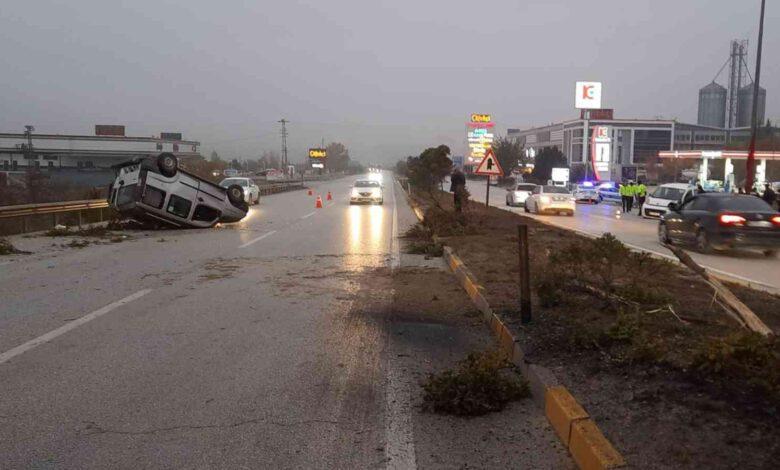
634	144
107	147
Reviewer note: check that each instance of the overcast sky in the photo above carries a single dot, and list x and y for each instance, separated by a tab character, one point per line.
385	77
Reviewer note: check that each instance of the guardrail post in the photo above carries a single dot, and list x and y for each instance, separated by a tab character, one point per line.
80	218
54	218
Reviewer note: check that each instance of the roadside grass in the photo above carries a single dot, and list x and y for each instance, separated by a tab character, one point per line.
484	382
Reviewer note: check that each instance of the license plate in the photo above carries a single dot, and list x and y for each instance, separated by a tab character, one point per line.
760	223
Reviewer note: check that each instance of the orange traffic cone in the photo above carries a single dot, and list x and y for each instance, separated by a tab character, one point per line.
318	204
310	193
329	196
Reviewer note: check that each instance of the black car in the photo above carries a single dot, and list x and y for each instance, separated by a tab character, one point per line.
721	221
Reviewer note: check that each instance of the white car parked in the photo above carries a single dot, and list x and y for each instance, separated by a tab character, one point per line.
550	199
657	204
157	190
251	190
517	194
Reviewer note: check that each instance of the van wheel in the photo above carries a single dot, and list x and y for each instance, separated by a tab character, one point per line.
235	195
167	164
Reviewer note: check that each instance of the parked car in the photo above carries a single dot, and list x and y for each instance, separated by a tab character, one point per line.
366	191
251	190
586	192
720	221
608	192
550	199
518	193
657	204
157	190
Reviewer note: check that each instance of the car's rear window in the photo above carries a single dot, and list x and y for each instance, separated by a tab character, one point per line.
525	187
671	194
740	203
367	184
555	190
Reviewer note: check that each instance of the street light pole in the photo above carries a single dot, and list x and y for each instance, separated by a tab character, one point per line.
750	169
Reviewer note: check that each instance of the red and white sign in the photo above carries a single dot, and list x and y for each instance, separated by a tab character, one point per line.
587	95
489	166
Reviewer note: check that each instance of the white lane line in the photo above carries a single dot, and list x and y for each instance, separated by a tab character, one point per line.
308	215
33	343
5	262
399	451
395	260
253	241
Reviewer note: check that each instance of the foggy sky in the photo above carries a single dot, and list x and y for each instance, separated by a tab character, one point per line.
386	78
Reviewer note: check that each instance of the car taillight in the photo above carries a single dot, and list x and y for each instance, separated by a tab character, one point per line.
731	220
776	220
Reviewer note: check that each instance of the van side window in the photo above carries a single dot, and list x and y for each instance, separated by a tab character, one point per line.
179	206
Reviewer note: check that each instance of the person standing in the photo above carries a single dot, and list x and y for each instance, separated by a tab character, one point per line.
769	195
458	188
641	195
631	193
623	191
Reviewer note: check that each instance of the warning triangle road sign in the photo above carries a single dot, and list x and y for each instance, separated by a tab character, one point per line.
489	166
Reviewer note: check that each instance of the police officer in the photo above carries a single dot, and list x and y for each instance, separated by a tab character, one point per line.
623	191
641	195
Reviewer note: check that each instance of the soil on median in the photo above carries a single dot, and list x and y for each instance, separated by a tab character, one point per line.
672	382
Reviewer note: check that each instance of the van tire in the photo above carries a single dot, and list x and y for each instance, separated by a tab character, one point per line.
235	194
167	164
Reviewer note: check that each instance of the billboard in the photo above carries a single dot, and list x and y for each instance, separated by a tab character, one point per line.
601	148
606	114
587	95
109	129
170	135
479	137
318	153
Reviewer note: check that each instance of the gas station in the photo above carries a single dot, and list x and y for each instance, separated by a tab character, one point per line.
705	157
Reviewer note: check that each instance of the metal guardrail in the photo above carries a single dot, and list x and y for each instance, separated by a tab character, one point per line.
51	208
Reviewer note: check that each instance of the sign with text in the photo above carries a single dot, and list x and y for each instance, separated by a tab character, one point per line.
170	135
481	118
318	153
601	148
587	95
109	129
560	175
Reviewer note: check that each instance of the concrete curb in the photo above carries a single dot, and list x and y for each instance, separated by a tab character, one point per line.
585	442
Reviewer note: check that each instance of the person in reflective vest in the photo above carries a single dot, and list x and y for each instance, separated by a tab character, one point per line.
641	195
623	191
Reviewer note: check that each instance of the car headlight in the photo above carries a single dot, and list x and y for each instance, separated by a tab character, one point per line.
355	192
545	199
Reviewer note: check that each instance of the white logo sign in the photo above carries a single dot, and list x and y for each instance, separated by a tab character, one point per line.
560	175
587	95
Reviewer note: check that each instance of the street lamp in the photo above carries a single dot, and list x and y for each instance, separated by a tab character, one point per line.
750	169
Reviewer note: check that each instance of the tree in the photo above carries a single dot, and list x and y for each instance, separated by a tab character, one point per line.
215	156
270	159
429	169
401	168
508	152
547	159
338	156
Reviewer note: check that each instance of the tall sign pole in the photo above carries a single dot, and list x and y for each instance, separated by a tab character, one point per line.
489	167
751	159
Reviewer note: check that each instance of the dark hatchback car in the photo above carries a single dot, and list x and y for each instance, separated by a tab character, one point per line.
721	221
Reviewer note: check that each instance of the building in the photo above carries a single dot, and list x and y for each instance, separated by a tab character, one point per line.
86	152
634	143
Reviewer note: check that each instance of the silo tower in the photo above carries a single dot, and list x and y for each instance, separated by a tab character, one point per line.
745	106
712	105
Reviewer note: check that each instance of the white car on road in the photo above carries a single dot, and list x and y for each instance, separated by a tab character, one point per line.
251	190
657	204
366	191
550	199
517	194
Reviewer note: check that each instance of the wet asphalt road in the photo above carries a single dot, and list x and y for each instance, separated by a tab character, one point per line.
640	233
256	345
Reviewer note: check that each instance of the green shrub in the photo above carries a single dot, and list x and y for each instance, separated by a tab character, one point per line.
484	382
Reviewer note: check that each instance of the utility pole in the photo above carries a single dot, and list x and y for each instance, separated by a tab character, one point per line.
284	145
751	159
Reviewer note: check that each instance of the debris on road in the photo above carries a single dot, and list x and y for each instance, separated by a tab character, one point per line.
7	248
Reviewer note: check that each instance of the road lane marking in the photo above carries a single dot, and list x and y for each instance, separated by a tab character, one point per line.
399	451
253	241
308	215
34	343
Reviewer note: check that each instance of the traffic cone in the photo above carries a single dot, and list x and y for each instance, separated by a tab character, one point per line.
310	193
318	204
330	198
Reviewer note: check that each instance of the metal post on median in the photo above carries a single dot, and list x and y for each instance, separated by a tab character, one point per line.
525	274
487	192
